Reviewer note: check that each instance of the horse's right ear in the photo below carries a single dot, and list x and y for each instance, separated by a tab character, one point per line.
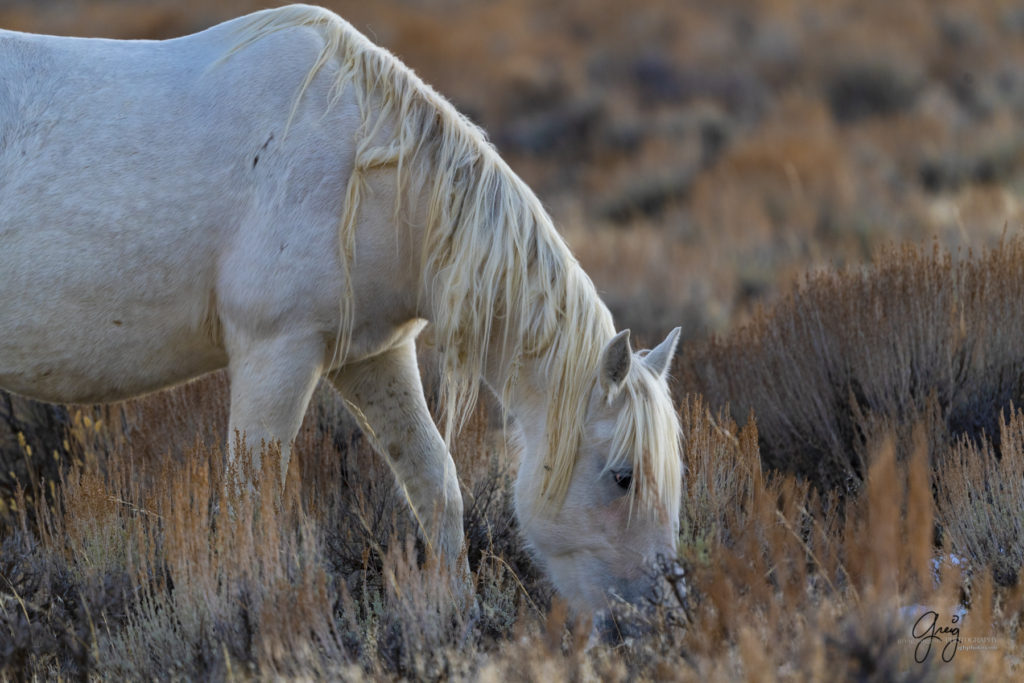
615	360
660	357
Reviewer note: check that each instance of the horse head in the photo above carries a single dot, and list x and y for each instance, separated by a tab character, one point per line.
621	505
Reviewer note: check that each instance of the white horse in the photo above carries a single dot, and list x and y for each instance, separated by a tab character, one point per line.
278	196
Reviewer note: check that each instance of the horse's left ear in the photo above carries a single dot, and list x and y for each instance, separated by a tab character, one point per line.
615	360
660	357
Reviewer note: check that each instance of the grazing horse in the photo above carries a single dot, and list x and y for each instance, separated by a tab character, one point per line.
280	197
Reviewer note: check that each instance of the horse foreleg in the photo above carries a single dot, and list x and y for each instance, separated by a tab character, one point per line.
387	396
272	381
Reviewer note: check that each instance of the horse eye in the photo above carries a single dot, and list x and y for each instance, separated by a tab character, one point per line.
623	478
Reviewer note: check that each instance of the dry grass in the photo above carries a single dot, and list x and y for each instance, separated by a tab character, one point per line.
148	569
787	585
173	574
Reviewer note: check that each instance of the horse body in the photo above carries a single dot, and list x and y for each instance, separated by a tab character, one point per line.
127	189
277	196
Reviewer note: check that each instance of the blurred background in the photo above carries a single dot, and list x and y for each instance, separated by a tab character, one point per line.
700	156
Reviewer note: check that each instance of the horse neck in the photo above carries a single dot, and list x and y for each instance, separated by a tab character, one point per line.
528	401
527	398
536	385
503	289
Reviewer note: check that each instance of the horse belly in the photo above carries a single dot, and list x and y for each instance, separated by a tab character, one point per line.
119	372
89	314
86	348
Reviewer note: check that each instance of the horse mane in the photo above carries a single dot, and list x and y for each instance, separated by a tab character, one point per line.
500	272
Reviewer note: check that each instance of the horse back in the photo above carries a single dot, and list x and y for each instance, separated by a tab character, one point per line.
143	186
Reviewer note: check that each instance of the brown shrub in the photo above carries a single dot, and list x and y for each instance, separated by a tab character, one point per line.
855	353
981	500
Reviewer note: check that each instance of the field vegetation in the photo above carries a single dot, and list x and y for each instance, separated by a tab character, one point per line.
825	195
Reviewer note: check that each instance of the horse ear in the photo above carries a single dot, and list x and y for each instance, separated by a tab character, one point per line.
615	359
660	357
